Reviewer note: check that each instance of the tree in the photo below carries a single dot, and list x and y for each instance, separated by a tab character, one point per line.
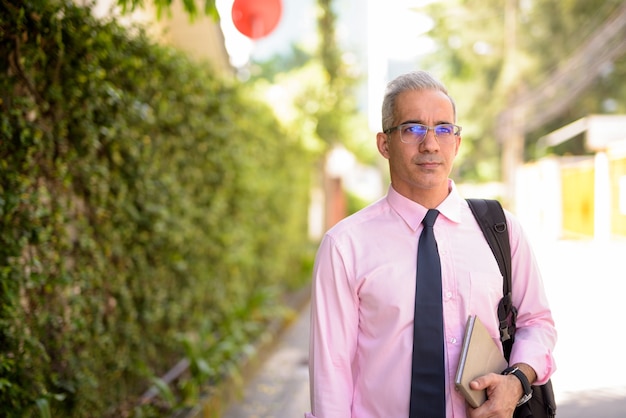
491	53
190	6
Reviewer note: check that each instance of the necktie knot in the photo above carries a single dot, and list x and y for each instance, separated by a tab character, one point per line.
431	216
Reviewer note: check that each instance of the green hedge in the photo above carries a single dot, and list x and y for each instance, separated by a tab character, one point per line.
148	210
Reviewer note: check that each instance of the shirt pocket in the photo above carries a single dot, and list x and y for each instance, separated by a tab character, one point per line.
485	290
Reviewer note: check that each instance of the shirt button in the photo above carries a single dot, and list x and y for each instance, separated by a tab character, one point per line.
452	340
448	295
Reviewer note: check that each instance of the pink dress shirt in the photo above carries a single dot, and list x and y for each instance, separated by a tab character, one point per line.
363	302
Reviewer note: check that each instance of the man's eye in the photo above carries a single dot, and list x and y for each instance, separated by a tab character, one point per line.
444	130
415	129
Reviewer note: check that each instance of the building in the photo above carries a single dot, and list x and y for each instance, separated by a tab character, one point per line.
578	196
201	37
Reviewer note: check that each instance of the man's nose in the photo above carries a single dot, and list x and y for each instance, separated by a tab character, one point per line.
430	140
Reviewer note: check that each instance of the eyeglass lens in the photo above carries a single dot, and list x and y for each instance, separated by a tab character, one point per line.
415	132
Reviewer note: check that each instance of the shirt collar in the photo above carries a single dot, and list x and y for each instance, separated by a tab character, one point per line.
412	213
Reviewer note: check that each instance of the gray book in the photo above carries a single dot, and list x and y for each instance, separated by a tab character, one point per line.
480	355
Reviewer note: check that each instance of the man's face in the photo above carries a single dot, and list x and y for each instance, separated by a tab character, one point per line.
420	171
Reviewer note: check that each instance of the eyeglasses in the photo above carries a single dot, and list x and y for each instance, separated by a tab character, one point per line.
415	133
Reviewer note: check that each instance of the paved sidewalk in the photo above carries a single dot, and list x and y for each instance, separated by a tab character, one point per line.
281	387
586	284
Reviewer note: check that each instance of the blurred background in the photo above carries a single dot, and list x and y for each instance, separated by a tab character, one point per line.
167	169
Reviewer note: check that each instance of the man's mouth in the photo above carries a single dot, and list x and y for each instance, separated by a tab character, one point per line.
428	164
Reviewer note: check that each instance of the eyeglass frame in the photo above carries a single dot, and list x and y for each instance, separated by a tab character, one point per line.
456	133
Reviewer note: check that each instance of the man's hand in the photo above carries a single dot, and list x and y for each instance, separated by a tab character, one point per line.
503	393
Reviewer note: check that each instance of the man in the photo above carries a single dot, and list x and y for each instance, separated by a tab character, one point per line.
364	284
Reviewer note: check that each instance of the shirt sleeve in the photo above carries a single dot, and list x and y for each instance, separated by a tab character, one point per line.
536	335
333	339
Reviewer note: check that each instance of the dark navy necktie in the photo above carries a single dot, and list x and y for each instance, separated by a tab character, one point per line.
428	399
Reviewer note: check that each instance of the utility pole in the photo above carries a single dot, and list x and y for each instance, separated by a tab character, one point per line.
510	133
528	110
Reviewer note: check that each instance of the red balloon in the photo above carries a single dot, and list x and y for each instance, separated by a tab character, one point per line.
256	18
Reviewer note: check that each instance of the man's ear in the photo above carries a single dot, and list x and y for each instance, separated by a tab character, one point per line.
382	142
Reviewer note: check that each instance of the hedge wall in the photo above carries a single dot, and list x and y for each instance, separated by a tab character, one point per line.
148	210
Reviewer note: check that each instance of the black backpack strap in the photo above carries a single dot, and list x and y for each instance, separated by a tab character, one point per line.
492	221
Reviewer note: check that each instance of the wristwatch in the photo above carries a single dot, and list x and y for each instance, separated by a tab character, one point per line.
528	393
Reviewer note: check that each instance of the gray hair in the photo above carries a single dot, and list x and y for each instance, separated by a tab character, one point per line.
413	81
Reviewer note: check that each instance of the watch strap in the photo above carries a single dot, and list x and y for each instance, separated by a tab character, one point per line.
528	393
